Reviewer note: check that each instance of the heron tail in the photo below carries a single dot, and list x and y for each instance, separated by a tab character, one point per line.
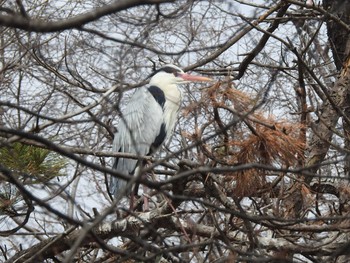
115	185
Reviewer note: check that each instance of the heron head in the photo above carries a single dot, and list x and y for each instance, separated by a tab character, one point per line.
171	74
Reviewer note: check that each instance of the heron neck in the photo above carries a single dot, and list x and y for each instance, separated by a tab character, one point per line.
172	93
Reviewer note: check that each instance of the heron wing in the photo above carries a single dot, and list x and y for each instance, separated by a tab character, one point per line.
140	129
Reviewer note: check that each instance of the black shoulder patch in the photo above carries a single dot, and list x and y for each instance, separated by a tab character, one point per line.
158	95
159	139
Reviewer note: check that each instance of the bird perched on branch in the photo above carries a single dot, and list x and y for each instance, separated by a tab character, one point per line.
148	120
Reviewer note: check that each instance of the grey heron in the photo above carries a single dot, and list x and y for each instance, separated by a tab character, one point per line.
148	120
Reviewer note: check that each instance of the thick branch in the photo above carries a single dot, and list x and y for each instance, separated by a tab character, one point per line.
274	25
39	25
132	225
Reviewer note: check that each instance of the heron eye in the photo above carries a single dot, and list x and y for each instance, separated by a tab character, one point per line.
176	74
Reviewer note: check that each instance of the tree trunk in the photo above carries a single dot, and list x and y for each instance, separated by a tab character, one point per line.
338	103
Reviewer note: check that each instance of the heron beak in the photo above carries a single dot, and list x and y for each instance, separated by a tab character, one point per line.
188	77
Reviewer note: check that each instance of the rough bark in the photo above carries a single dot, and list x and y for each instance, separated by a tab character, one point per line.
329	114
337	104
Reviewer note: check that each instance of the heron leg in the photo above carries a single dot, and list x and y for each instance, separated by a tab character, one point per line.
145	201
145	206
132	197
146	192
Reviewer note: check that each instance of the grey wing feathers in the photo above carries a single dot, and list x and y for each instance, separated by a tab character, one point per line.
139	126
